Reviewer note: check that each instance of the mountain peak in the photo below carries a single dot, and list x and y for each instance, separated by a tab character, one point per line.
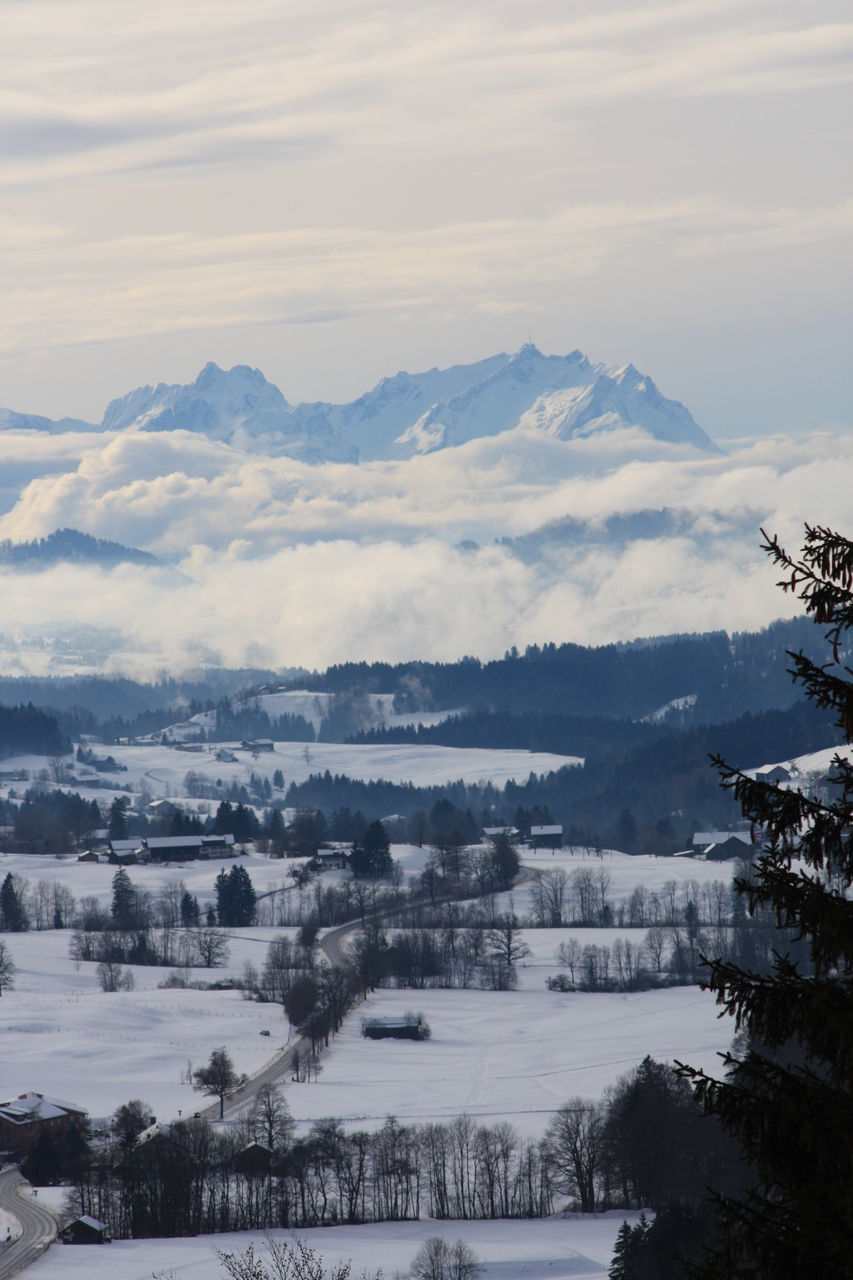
407	413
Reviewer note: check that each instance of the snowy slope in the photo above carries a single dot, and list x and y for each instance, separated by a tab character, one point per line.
563	397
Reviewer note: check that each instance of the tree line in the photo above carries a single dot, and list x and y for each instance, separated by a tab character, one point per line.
644	1144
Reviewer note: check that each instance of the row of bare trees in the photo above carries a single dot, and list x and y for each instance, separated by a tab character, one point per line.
582	899
645	1143
190	1178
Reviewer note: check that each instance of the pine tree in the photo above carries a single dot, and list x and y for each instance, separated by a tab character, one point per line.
787	1096
118	819
621	1252
13	911
123	909
235	897
371	856
243	897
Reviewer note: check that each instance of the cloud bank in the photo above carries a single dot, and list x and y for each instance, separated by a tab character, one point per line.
274	563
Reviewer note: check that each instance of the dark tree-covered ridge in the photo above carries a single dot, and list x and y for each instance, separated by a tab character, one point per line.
25	730
728	674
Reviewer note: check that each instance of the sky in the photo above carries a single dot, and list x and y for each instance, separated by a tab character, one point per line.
335	191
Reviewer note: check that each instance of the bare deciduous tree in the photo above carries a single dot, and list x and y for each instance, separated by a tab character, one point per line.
7	968
286	1260
218	1078
438	1260
211	946
574	1145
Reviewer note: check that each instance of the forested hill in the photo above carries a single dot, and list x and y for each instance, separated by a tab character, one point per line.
70	546
727	675
29	731
649	797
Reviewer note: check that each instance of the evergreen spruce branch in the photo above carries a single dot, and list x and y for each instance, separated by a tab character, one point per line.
795	825
817	1012
822	578
809	909
820	683
782	1116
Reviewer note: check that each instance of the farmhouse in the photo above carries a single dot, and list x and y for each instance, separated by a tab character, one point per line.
176	848
253	1160
124	852
494	833
25	1118
334	855
703	840
162	809
258	744
550	837
725	850
777	774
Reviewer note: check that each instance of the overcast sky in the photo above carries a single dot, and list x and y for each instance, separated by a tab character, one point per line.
335	191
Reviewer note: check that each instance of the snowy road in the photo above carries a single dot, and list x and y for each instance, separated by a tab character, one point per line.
333	944
38	1226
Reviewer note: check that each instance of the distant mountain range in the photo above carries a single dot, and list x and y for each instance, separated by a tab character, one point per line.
65	546
563	397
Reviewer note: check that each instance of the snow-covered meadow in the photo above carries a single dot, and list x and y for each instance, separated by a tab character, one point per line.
514	1055
624	871
161	771
61	1035
518	1054
570	1247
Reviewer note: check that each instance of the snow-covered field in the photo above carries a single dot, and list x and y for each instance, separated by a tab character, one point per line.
625	872
161	770
516	1055
574	1247
94	879
495	1055
62	1036
811	766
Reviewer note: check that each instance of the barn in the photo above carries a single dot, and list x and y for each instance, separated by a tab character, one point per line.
410	1026
85	1230
549	837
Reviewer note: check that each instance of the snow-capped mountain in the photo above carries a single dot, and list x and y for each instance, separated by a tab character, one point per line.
10	420
238	407
560	396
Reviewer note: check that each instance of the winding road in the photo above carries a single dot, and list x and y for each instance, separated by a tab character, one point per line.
281	1066
38	1225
